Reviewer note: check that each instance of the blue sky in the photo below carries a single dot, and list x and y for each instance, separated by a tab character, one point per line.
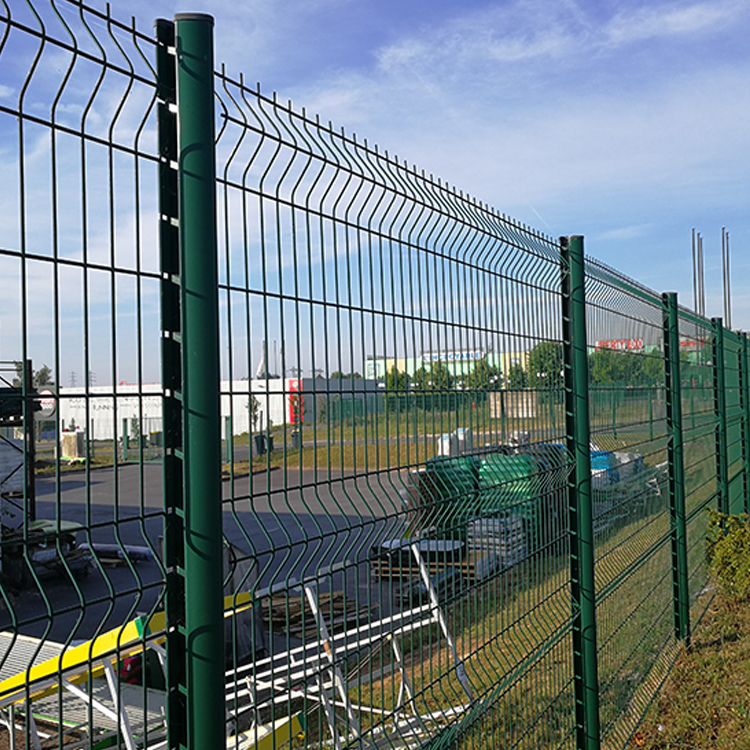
627	122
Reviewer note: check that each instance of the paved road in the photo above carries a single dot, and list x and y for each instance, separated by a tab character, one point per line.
292	522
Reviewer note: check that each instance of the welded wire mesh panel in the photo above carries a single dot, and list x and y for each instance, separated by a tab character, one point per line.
630	494
699	420
396	480
81	505
397	504
699	437
734	419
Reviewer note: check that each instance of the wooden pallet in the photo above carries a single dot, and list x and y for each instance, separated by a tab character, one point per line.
286	612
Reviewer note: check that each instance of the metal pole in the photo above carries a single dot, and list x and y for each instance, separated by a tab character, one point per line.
229	440
204	628
27	410
702	277
578	438
692	402
695	275
613	396
720	414
729	284
676	463
650	413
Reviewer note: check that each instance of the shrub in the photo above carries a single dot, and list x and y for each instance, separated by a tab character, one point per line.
728	553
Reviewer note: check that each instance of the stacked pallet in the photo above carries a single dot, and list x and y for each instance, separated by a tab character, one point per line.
503	537
292	613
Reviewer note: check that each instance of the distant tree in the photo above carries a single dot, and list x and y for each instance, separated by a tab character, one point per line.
345	375
434	377
396	381
396	387
653	366
253	408
434	386
483	377
39	379
626	367
545	366
516	377
606	366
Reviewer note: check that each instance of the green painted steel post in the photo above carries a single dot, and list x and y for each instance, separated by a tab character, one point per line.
650	413
745	401
613	395
692	404
720	414
578	437
229	440
676	463
204	628
502	417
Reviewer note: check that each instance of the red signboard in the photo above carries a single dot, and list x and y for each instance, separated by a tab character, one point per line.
621	344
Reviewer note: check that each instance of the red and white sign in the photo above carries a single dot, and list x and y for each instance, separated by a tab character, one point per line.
689	344
296	403
621	345
48	405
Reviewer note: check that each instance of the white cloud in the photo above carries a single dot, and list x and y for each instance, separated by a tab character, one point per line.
671	20
536	30
631	232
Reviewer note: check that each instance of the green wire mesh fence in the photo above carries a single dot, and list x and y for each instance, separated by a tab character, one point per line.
449	476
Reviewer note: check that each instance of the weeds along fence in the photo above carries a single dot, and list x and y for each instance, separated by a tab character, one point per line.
427	477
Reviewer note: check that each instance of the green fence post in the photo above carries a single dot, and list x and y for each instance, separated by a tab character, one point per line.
613	396
720	414
204	627
692	403
578	438
171	359
745	402
676	463
503	437
229	440
650	413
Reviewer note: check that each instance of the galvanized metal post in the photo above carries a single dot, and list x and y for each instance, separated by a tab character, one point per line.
578	437
720	414
204	629
676	463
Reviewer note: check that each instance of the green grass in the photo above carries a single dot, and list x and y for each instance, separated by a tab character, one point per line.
705	702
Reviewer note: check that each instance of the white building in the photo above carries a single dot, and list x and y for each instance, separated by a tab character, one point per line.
282	400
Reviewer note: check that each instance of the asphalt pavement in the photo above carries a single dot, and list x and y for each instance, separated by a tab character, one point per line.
293	523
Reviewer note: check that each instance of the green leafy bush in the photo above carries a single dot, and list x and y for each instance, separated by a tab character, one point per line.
728	553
